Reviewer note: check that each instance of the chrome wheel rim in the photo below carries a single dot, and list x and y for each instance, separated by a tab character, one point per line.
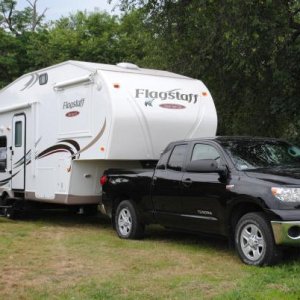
125	222
252	242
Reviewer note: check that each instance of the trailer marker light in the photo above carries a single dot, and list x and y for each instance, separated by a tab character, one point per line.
204	94
116	86
103	180
102	149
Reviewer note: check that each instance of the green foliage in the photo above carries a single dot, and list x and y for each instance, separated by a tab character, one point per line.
9	68
247	52
95	37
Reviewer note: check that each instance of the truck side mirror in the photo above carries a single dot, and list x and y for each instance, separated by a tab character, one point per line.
205	166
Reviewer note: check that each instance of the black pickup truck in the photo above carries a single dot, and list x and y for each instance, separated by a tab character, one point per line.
246	189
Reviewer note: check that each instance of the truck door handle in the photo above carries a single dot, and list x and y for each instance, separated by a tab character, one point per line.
153	180
187	182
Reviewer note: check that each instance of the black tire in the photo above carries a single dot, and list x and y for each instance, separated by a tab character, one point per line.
3	202
12	212
254	240
127	221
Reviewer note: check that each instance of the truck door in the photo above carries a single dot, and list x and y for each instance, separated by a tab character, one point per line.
203	194
166	190
18	157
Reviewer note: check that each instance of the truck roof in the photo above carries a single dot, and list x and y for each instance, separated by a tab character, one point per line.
229	139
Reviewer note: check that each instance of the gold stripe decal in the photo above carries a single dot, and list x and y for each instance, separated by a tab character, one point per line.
94	141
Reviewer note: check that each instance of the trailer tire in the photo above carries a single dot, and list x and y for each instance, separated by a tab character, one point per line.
3	202
127	221
254	240
14	211
10	213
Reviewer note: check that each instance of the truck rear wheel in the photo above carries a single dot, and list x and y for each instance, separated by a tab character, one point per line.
127	221
254	240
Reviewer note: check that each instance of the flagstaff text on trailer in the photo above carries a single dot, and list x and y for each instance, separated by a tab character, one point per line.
72	104
167	95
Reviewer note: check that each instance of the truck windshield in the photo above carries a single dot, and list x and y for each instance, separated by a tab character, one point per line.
249	155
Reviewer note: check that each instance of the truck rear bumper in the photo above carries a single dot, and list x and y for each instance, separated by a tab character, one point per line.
286	232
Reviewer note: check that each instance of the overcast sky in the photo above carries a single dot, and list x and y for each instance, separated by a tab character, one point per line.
58	8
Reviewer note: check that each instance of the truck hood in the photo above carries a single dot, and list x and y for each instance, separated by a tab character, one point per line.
278	175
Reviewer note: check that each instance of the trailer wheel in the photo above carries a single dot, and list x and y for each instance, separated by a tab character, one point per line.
254	240
127	221
3	201
10	213
13	210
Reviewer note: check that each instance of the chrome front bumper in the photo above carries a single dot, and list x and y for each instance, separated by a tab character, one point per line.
286	232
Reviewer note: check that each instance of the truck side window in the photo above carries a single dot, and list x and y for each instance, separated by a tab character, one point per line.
202	151
162	163
177	158
3	153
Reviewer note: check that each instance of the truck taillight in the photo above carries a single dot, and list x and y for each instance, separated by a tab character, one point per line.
103	180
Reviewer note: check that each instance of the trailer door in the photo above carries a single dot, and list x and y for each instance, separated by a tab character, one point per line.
18	158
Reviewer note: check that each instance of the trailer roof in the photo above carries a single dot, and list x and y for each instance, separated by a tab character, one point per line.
117	68
93	67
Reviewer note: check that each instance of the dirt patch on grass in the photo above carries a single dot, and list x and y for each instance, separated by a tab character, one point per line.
42	259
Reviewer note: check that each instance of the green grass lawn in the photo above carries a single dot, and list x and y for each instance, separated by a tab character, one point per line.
56	255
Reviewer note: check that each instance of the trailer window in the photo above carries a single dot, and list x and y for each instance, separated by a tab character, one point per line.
43	79
18	134
3	153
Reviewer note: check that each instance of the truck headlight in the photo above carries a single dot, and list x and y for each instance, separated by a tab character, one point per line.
286	194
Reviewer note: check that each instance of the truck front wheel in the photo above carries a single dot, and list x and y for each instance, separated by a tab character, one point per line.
254	240
127	221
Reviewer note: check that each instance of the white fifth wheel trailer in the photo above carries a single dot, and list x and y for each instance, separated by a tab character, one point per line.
62	126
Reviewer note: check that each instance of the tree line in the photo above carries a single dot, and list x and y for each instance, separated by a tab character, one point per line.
247	52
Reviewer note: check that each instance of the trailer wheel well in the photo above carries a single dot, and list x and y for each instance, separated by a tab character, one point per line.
4	195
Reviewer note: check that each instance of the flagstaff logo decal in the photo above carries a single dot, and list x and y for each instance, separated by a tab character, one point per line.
175	95
172	106
71	114
70	105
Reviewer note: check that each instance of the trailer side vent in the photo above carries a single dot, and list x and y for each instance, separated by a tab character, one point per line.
126	65
43	79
